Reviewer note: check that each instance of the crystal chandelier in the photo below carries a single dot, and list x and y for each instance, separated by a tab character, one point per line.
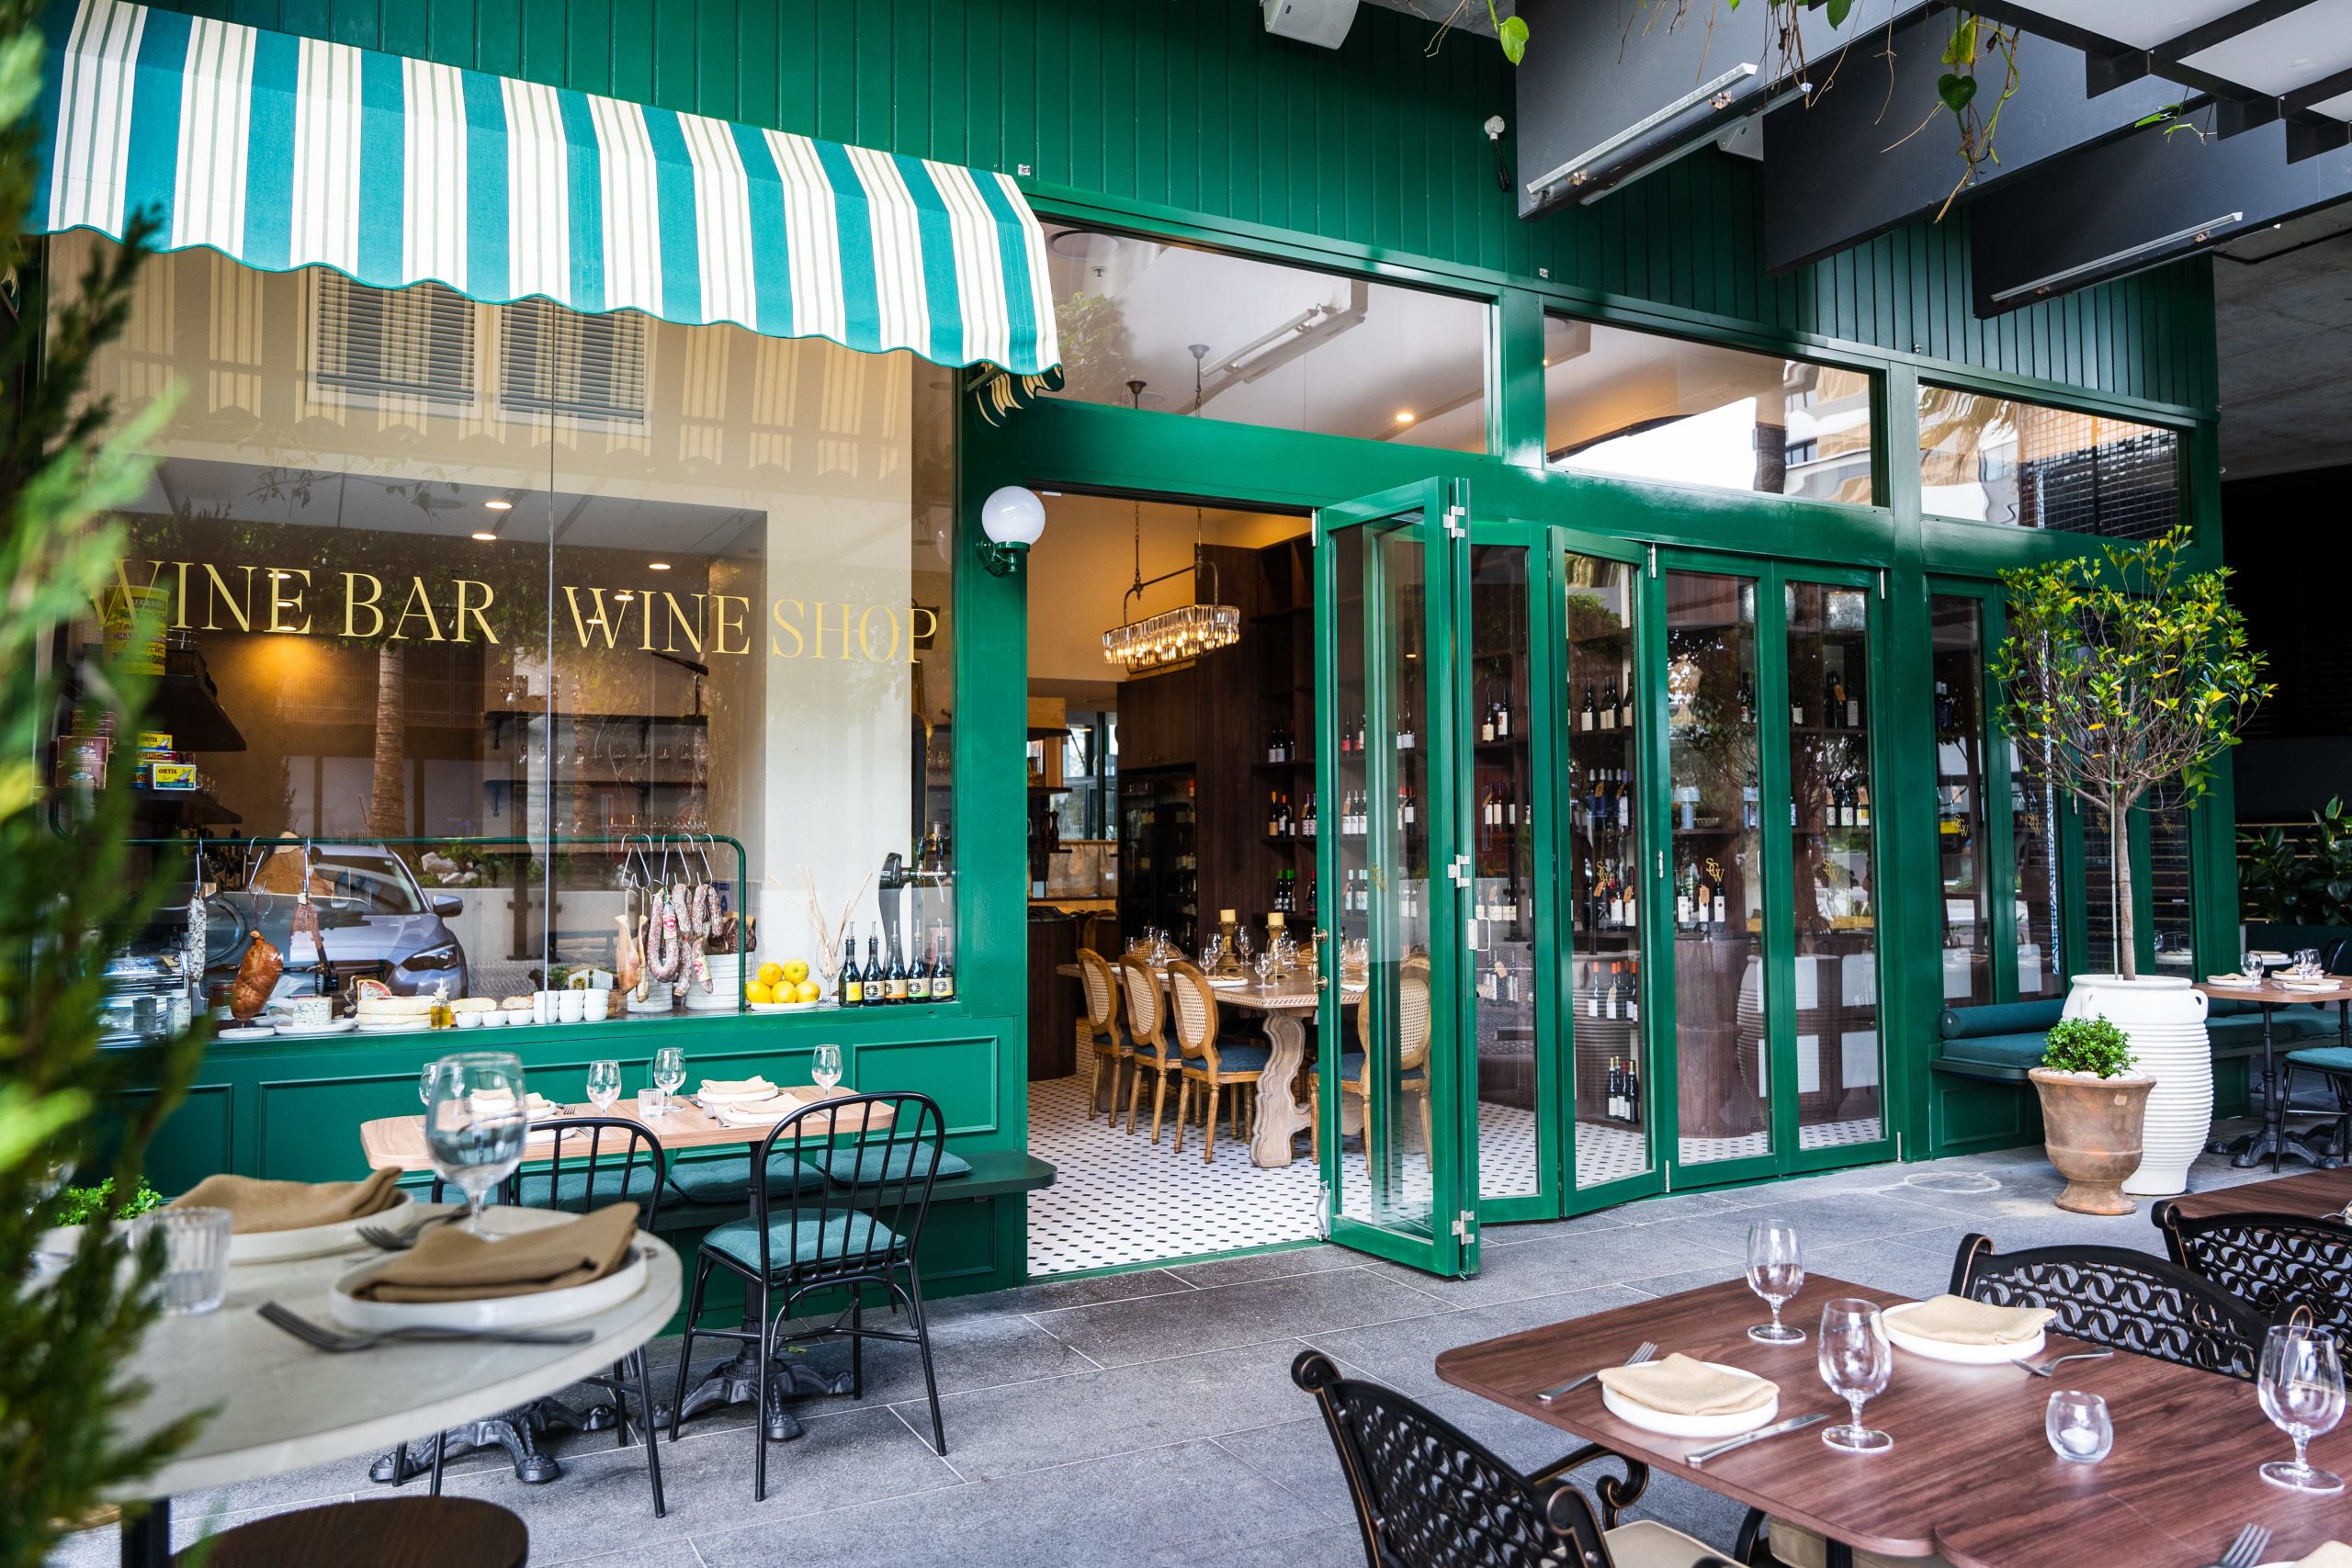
1178	636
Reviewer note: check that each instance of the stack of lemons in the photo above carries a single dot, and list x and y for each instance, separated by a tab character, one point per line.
785	982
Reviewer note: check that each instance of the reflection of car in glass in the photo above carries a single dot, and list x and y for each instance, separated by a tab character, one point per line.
378	921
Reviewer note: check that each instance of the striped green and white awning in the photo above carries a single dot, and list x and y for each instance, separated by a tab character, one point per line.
284	151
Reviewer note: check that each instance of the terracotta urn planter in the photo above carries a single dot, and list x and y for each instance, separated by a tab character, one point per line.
2091	1133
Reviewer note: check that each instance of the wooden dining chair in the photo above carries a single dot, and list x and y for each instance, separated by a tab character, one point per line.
1428	1496
1150	1049
2273	1261
1099	1032
1415	1023
1214	1065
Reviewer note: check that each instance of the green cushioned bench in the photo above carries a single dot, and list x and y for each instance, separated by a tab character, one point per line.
2000	1042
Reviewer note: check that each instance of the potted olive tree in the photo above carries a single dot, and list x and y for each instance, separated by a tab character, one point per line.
2093	1105
2122	671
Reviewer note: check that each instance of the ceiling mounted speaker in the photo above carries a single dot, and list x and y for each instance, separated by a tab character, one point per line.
1324	23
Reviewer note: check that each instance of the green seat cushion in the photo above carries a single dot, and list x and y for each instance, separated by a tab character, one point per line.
573	1194
872	1165
832	1234
2324	1059
729	1181
1238	1057
2001	1019
2013	1051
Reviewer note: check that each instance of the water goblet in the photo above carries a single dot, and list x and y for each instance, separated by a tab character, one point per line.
2250	967
1776	1272
1856	1361
2078	1427
2302	1389
825	1067
603	1084
475	1123
668	1072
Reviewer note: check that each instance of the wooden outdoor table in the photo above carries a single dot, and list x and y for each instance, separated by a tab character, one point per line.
2316	1194
2274	1139
1970	1458
400	1139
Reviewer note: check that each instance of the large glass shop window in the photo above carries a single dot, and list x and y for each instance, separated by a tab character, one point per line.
1992	459
541	649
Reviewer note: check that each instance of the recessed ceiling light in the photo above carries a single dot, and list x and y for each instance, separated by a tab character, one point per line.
500	505
485	536
657	566
1404	416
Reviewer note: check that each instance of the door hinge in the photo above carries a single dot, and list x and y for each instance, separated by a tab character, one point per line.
1323	1211
1653	560
1457	871
1457	521
1881	585
1315	529
1466	1226
1661	862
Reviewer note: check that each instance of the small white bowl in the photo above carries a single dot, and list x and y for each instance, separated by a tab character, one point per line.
469	1019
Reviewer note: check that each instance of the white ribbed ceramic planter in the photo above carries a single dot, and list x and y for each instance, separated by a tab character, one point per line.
2166	1018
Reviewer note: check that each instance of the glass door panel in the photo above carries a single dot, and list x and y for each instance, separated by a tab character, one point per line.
1835	993
1714	762
1609	1056
1956	632
2033	828
1503	908
1389	1022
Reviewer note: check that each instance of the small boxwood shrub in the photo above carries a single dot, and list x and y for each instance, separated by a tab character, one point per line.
2089	1045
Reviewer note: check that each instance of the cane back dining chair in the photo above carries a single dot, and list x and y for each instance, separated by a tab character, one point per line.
1151	1049
2275	1261
1414	1023
1099	1032
860	1227
1215	1065
590	1162
1428	1496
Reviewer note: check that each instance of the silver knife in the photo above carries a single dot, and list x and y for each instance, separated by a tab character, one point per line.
1794	1423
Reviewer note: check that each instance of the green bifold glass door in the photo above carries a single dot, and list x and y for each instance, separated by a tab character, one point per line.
1394	1070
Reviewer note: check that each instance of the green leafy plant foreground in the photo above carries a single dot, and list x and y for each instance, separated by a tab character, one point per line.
2121	671
79	1205
2094	1046
72	893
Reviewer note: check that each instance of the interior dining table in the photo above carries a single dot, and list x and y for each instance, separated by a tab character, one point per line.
1971	1475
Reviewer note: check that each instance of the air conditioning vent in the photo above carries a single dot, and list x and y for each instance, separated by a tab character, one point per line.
554	361
393	343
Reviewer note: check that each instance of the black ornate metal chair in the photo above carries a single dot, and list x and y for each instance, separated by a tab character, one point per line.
591	1162
1428	1495
2275	1261
860	1226
2112	1295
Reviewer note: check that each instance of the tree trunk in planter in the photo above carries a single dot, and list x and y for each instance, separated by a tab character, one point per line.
2165	1017
388	779
2091	1133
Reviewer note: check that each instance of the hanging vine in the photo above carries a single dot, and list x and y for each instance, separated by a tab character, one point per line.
1974	41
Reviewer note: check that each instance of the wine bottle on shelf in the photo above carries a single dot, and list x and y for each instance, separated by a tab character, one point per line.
894	985
1750	815
1590	717
1486	723
1609	705
943	969
1503	716
1407	812
877	979
1632	1092
1406	732
1833	700
1307	824
850	990
1862	805
919	975
1747	700
1854	704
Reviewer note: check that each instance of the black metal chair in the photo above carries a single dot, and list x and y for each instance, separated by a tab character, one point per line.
591	1162
2112	1295
862	1226
1428	1495
2275	1261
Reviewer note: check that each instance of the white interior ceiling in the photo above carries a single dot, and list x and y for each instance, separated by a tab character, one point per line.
2283	299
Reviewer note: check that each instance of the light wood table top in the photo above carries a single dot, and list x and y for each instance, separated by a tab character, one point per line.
1970	1474
2318	1194
400	1139
2271	994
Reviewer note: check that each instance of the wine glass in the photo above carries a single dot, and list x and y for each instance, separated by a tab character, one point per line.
1776	1272
2303	1392
668	1072
825	1067
603	1084
476	1119
1856	1361
2250	967
425	1082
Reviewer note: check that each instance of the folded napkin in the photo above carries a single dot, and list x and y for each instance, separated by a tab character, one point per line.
1956	1320
255	1206
2335	1554
452	1265
1680	1385
535	1104
754	1088
760	1113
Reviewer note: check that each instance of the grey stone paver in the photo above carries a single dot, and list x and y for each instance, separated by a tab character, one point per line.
1148	1417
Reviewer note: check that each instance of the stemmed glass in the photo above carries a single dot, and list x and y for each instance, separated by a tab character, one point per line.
1776	1272
1856	1361
825	1067
2303	1392
425	1082
603	1084
1213	952
476	1119
668	1072
1242	945
2251	967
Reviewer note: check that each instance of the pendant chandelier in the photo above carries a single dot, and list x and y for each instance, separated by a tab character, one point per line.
1178	636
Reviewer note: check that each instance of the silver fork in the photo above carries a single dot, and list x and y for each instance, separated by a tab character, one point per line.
401	1240
1643	1352
324	1338
2046	1369
2247	1549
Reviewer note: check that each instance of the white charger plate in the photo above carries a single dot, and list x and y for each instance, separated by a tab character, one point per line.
753	1097
1670	1425
1962	1355
315	1241
495	1312
297	1032
247	1031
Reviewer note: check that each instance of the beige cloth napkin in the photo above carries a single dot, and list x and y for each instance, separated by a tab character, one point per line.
1956	1320
754	1088
450	1265
761	1113
255	1206
1680	1385
535	1106
2335	1554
